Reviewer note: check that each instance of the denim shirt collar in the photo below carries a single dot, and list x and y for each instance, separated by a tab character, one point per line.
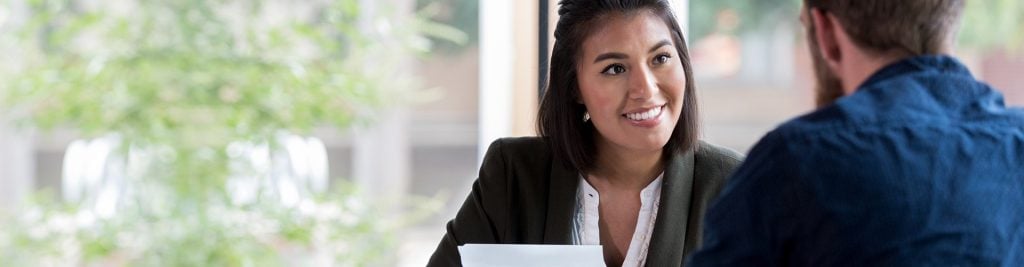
929	63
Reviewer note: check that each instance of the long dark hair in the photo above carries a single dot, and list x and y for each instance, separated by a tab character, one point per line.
560	118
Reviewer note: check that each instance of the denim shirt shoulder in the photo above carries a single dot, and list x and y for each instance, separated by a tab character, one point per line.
926	91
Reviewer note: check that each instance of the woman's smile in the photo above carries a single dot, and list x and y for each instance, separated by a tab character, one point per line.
645	117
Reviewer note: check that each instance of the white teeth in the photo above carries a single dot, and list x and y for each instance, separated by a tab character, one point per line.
646	115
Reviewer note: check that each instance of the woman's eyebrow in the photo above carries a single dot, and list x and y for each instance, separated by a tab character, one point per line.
659	45
617	55
610	55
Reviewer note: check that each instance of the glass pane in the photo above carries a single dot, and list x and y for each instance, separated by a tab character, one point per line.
753	68
750	65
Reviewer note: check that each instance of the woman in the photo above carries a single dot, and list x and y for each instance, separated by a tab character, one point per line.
618	163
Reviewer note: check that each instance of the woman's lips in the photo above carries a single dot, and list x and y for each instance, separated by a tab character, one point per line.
645	118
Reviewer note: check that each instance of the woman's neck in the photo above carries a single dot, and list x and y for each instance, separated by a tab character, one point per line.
625	168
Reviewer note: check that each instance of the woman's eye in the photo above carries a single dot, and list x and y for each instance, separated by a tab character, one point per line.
614	70
661	59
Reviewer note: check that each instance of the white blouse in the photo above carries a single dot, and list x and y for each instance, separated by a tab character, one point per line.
586	230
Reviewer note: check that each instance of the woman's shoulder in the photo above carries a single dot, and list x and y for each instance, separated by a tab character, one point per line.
519	148
713	156
713	165
525	153
525	144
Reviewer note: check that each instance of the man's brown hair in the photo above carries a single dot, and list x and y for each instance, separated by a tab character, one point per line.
915	27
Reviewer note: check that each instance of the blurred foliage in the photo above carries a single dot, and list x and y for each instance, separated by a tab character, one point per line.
336	229
219	70
180	80
993	24
987	24
463	15
753	15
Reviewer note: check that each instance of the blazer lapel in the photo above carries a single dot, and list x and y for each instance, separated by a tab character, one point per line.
561	202
668	238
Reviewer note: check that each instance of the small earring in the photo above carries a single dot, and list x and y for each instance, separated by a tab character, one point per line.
586	116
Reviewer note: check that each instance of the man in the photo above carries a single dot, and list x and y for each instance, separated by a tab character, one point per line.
908	161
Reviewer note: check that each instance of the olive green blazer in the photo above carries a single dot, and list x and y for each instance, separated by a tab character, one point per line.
524	196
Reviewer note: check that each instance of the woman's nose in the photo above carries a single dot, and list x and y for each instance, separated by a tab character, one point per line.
642	84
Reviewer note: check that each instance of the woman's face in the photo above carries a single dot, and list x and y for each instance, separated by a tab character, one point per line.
631	82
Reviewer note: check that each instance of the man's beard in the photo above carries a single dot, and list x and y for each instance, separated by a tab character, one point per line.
827	86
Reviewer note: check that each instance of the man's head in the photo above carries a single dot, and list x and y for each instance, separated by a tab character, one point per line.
851	39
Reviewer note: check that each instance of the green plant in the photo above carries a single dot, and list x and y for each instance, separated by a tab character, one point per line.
337	229
463	15
179	81
992	24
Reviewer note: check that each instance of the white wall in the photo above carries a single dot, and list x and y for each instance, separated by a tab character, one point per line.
16	166
497	54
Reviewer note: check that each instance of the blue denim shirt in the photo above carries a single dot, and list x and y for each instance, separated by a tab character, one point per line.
922	166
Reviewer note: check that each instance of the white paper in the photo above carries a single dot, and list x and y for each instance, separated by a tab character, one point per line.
502	255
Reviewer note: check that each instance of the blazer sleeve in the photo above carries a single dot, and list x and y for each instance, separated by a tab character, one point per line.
483	216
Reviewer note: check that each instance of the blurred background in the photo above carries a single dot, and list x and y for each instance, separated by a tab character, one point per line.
329	133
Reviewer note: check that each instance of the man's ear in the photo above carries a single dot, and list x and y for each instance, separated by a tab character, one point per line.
826	29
